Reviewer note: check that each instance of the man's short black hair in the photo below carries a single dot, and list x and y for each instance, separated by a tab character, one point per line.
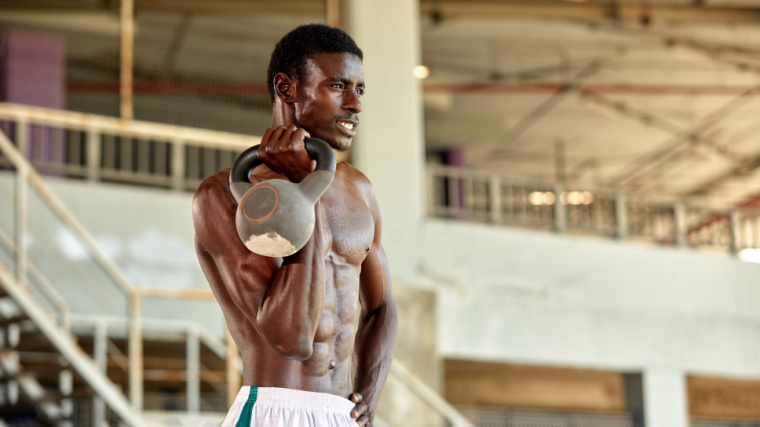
292	51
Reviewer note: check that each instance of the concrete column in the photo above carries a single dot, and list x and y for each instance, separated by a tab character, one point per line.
665	398
388	146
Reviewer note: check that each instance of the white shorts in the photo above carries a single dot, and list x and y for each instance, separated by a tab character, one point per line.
282	407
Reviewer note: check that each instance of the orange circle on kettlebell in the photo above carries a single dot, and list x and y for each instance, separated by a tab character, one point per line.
276	200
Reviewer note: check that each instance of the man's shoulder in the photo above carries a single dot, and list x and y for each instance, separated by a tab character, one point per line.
212	191
352	175
355	178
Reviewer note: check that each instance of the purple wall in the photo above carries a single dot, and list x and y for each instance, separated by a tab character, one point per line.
32	72
33	68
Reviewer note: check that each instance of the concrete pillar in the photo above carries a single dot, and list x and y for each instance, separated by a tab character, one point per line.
388	146
665	398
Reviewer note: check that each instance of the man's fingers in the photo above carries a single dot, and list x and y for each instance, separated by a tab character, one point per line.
267	135
358	410
275	138
363	421
300	134
287	135
355	397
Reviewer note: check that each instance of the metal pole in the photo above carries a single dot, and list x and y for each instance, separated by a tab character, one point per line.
735	232
178	165
93	155
560	163
127	58
135	351
560	210
22	136
621	216
193	361
332	13
431	199
100	345
233	376
21	221
679	213
495	198
66	386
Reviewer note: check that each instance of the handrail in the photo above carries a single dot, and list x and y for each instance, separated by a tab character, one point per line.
131	151
27	174
49	289
63	342
20	162
428	395
481	196
136	128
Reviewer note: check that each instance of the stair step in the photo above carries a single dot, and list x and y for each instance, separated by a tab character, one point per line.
11	320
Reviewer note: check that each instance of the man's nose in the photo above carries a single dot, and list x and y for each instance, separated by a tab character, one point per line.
352	103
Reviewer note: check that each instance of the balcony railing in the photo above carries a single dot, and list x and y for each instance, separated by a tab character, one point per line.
98	148
471	195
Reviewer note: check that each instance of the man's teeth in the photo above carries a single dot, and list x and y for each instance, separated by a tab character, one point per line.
349	126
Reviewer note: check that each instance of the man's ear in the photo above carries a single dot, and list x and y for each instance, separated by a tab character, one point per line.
284	88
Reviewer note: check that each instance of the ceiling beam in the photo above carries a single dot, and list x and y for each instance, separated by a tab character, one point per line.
646	13
248	7
744	168
201	7
673	147
527	121
661	158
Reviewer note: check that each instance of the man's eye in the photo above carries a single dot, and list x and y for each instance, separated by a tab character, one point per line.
337	85
360	91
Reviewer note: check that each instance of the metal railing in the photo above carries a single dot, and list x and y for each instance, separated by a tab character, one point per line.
98	133
472	195
87	146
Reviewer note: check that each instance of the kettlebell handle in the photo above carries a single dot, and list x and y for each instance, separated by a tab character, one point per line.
249	159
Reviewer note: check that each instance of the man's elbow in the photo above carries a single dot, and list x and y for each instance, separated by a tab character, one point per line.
299	349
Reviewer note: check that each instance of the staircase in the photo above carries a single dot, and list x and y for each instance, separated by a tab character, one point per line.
42	364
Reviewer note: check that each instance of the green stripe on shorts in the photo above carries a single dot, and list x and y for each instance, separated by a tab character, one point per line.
245	414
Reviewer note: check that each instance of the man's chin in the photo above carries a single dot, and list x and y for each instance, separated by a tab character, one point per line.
340	145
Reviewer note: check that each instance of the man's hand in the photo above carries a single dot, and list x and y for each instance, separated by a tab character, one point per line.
283	150
360	411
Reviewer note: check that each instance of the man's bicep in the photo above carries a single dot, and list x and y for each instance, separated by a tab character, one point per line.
375	280
375	276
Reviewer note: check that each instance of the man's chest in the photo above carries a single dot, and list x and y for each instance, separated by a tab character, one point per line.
349	227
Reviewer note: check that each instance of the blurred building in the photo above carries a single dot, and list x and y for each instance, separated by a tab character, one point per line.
568	189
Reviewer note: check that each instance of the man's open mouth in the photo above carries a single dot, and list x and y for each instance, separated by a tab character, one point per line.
349	125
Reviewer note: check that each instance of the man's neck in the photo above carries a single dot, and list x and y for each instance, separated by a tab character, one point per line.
282	115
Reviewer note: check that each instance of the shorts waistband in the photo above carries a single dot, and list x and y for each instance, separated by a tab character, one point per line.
308	400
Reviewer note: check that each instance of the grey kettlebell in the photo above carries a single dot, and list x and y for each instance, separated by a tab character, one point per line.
275	218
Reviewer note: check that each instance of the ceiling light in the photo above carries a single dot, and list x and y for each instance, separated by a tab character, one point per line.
421	72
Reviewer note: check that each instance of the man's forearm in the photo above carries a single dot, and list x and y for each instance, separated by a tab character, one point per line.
298	291
374	353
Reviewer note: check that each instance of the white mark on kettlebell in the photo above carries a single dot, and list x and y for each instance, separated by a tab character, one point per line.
270	244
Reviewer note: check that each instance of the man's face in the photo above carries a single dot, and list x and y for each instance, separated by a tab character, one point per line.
328	98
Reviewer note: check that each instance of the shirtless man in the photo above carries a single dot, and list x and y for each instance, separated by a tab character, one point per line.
295	319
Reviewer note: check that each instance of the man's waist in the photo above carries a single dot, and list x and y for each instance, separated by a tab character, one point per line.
292	398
